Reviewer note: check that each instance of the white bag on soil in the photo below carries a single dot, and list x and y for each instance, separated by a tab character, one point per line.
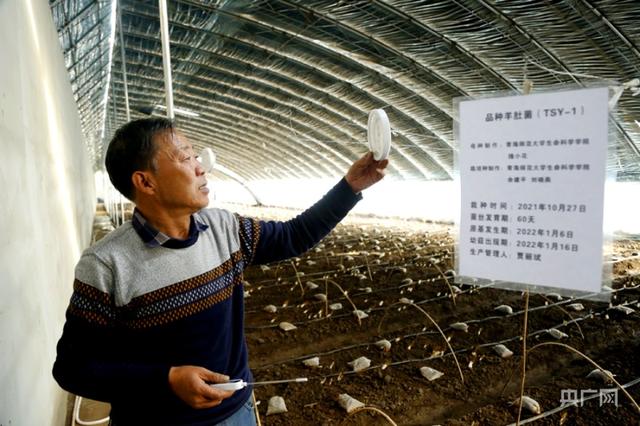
601	375
431	374
271	309
502	351
529	404
349	403
576	306
384	344
360	363
554	296
335	306
287	326
276	405
321	297
504	309
622	309
312	362
360	314
460	326
557	334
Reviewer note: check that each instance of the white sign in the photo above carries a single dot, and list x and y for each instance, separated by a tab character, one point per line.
532	172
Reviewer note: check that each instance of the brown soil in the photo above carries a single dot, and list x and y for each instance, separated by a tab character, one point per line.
490	383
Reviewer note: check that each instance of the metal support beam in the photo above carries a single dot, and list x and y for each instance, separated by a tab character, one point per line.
229	173
124	70
77	17
166	57
122	218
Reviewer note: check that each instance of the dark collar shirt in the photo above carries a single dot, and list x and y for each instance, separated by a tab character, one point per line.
154	238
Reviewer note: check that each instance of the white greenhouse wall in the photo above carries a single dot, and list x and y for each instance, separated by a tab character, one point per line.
48	202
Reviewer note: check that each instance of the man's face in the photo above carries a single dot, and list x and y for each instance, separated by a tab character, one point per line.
180	178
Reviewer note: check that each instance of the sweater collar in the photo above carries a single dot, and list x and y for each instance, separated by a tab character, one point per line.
154	238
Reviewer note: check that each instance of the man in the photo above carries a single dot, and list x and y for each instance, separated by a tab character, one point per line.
156	315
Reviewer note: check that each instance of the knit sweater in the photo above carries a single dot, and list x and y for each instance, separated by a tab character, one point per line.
139	309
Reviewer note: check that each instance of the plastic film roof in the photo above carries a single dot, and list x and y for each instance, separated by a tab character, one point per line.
283	88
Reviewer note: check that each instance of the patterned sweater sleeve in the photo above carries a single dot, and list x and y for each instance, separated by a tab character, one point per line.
269	241
91	361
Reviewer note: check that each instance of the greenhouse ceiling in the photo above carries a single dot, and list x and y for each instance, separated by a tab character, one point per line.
282	89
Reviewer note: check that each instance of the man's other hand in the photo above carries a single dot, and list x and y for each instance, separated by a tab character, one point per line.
190	384
365	172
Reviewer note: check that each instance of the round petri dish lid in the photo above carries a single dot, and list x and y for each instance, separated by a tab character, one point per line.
379	134
208	159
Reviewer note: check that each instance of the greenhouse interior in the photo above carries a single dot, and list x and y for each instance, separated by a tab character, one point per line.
286	212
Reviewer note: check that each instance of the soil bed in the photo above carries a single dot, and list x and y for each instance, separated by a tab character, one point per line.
373	265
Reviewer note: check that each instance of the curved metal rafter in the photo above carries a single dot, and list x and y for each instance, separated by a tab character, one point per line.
192	100
548	52
301	76
355	131
337	152
356	80
306	68
235	115
245	140
204	83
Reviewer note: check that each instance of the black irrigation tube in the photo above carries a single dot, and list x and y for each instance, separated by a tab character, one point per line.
413	360
317	275
280	281
425	301
433	299
373	292
349	244
376	254
319	259
424	333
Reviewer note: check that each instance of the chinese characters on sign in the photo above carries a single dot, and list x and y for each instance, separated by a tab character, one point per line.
532	172
489	230
527	114
515	152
